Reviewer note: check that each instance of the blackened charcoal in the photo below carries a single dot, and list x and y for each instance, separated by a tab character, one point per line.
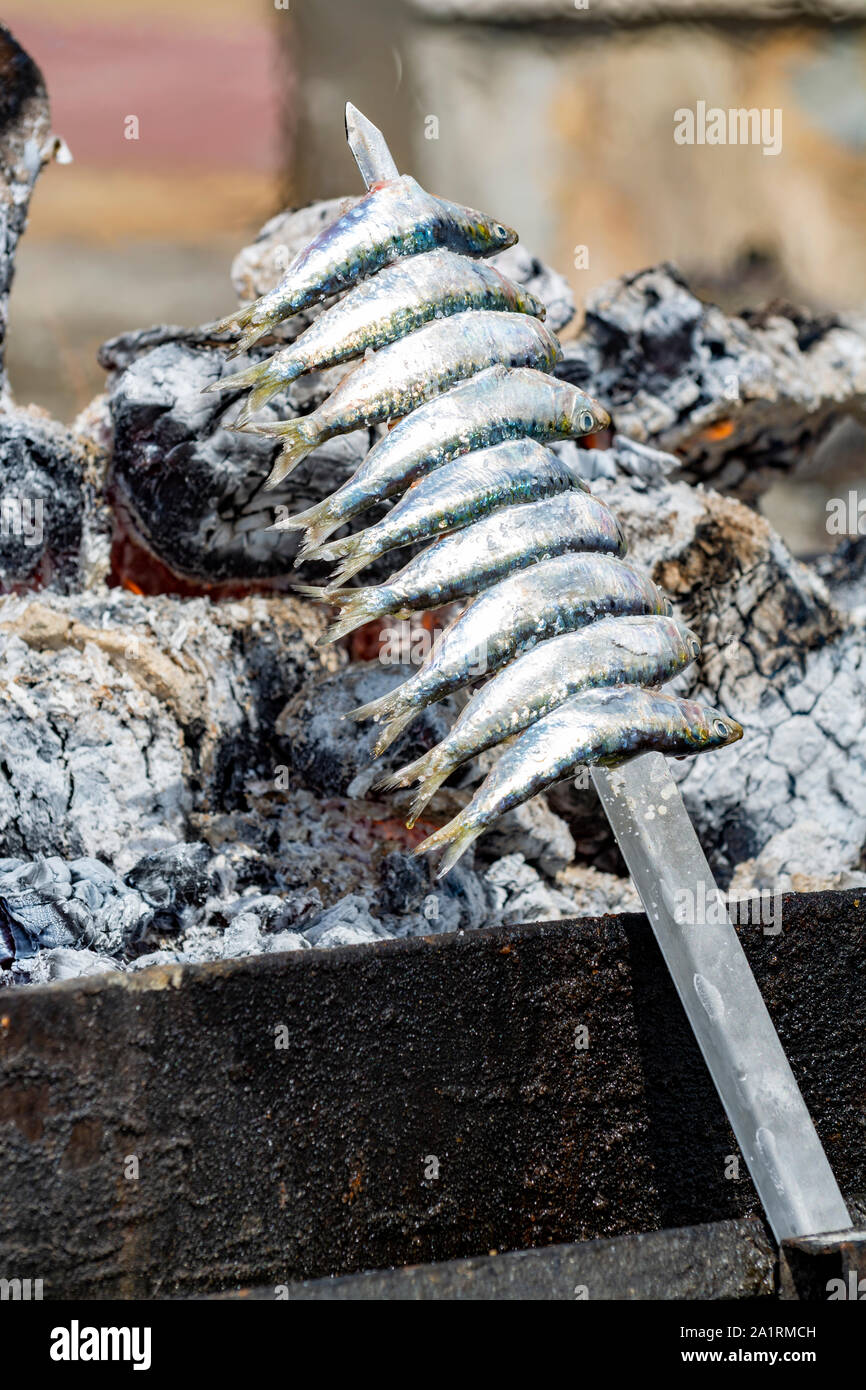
333	754
740	401
175	877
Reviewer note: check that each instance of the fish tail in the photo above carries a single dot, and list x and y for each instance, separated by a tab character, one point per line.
408	774
385	707
300	436
239	382
456	836
319	522
235	321
247	340
428	789
395	727
350	567
346	545
269	381
299	521
358	606
430	769
352	551
313	591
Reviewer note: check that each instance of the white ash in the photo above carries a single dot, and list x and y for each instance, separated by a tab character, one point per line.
129	715
739	399
795	860
176	784
779	655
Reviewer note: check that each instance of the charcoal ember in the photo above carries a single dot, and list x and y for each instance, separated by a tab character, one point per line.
125	715
545	283
519	893
348	922
63	963
334	755
30	920
534	831
739	400
48	476
50	903
275	912
174	882
405	883
190	489
642	465
287	941
49	473
801	859
410	901
460	903
844	572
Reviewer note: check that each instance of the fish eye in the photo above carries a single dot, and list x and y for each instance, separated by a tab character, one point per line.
585	421
499	230
694	646
721	728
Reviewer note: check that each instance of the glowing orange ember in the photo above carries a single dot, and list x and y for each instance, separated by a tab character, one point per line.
722	429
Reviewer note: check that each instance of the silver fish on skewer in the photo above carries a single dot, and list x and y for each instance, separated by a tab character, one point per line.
469	561
405	374
402	297
497	404
395	218
604	726
460	492
643	651
550	597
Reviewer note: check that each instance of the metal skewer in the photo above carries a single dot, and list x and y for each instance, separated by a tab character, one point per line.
709	968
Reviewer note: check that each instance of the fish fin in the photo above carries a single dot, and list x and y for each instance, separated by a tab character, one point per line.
238	319
385	707
301	437
247	340
351	551
335	550
270	383
428	789
319	521
431	769
238	382
393	730
358	606
405	775
350	567
456	836
312	591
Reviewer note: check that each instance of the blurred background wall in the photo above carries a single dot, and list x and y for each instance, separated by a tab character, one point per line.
173	113
555	115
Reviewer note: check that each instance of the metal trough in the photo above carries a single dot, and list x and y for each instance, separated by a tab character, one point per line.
283	1118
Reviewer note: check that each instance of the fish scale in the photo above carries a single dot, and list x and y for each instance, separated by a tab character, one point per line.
395	218
735	1033
402	297
539	559
392	382
465	490
470	560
